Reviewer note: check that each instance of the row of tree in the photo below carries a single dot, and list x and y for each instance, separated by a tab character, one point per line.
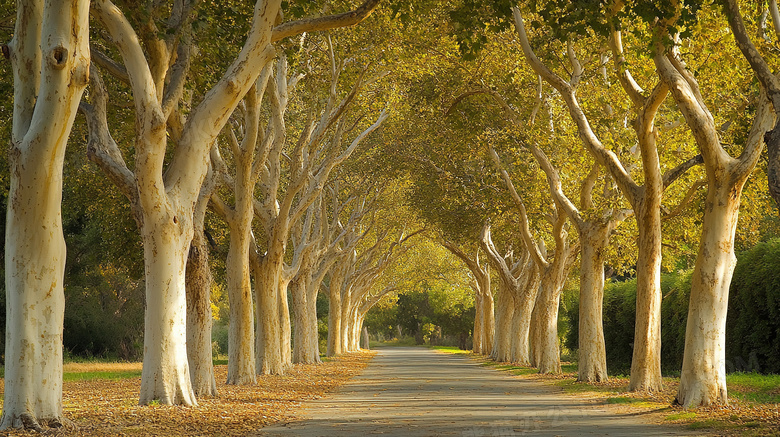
628	144
234	152
228	126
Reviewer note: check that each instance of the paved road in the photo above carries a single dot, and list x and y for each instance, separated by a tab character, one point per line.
419	392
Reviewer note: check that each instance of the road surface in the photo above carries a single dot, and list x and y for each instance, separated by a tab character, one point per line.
420	392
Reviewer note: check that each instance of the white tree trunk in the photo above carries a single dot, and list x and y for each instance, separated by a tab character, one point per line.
306	348
241	353
285	339
502	349
548	303
334	319
488	318
165	376
703	377
646	359
592	365
477	334
524	307
50	57
269	328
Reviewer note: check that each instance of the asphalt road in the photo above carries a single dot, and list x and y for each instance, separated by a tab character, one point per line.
419	392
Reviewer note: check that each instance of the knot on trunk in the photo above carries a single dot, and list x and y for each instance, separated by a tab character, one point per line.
59	57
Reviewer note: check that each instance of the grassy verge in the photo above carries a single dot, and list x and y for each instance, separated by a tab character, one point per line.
753	408
102	400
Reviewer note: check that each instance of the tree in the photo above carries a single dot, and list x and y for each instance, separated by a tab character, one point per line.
645	199
163	198
703	377
50	59
484	317
519	287
552	276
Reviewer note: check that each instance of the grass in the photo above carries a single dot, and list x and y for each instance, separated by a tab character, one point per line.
451	350
754	387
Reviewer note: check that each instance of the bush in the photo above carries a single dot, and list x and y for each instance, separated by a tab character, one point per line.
753	324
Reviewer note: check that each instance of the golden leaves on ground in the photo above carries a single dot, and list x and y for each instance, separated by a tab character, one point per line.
110	407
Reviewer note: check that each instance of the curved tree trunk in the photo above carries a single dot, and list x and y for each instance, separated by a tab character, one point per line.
592	365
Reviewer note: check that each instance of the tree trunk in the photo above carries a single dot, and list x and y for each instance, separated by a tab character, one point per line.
268	344
365	338
548	302
488	319
306	348
50	58
241	354
503	339
592	365
285	339
165	376
703	377
334	320
346	319
479	323
534	333
199	318
524	310
646	360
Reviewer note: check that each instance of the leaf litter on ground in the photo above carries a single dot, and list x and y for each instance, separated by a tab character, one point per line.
109	407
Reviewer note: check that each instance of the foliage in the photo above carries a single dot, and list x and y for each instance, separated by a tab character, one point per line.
753	325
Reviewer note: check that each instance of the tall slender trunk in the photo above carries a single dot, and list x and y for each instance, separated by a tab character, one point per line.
269	330
199	318
241	354
703	377
285	337
165	376
592	365
479	323
646	360
334	321
548	302
504	334
346	319
524	309
488	319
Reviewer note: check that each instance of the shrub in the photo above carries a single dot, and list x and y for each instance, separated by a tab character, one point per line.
753	324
